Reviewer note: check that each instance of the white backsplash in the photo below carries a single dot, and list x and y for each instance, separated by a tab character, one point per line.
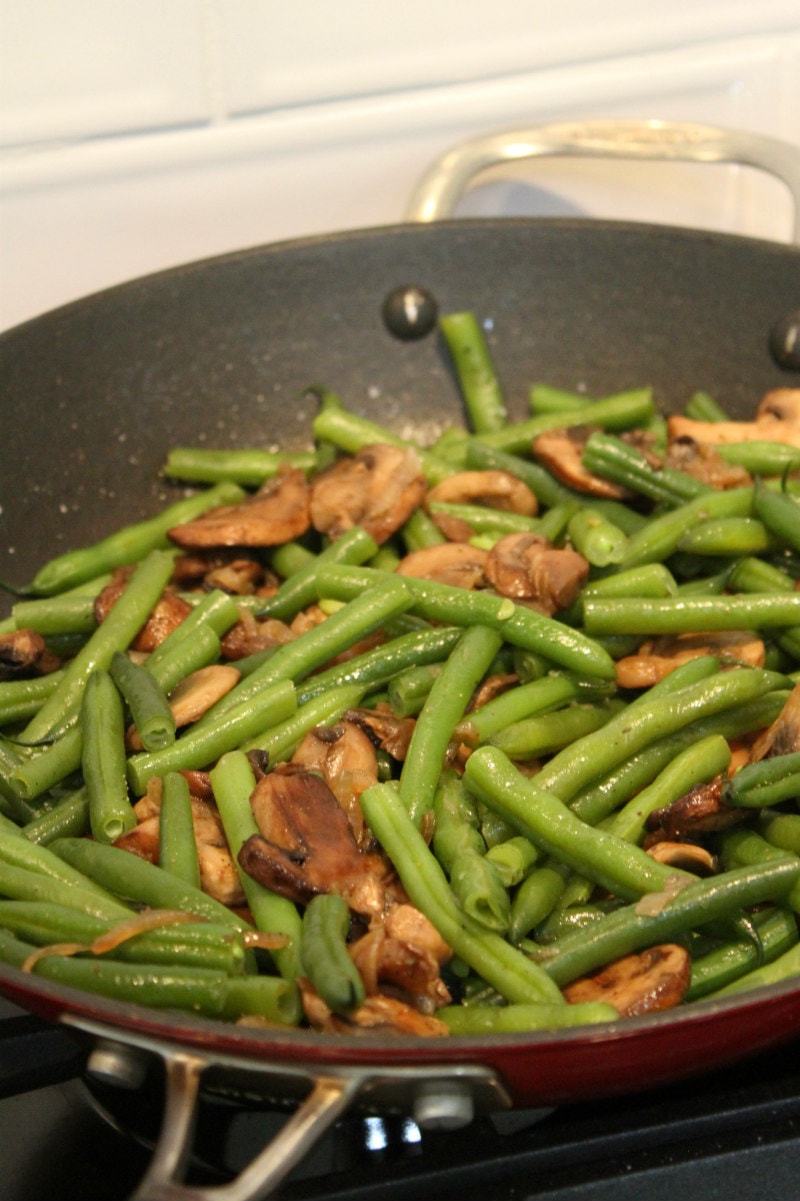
138	136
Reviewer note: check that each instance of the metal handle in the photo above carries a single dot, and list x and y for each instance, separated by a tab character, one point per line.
440	188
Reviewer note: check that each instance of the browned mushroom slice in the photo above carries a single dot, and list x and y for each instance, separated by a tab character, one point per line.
249	636
346	758
306	844
167	614
704	462
495	489
700	811
378	488
24	653
387	731
404	950
528	567
777	420
657	657
379	1014
652	980
561	452
456	563
277	513
783	735
687	856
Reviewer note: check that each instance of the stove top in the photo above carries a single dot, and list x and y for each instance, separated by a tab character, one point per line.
735	1133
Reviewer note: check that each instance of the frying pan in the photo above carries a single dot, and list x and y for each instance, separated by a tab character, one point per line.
222	352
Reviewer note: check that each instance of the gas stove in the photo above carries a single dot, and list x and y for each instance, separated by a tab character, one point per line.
734	1133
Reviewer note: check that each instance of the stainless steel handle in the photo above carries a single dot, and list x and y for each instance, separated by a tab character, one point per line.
440	188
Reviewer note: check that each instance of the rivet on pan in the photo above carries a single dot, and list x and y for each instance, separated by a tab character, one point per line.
444	1105
784	341
409	312
115	1064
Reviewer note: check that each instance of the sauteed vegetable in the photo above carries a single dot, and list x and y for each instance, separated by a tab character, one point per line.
499	733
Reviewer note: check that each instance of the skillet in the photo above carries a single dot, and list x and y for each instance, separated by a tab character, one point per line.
222	352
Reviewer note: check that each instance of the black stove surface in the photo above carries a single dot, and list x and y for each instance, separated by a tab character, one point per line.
733	1135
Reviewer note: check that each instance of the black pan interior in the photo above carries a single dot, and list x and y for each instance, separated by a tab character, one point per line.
221	353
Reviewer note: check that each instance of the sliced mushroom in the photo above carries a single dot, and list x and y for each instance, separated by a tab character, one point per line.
250	635
378	489
652	980
306	844
777	420
561	452
783	735
703	462
700	811
495	489
657	657
387	731
346	758
277	513
167	614
24	653
386	1015
406	951
528	567
456	563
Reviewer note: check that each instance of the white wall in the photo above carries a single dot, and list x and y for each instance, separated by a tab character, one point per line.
139	135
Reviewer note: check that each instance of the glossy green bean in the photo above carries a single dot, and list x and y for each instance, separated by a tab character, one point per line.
596	538
777	932
511	1019
130	544
697	764
67	818
103	759
146	700
624	464
249	468
767	781
622	411
279	741
683	614
544	734
515	976
629	929
21	700
780	513
324	956
350	432
299	590
480	387
177	849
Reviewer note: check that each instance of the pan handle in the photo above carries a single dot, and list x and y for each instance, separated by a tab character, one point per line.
438	191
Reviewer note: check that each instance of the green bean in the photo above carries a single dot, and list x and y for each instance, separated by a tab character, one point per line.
200	990
659	538
22	699
546	487
183	658
177	849
526	700
216	611
324	956
536	896
780	513
350	432
520	626
22	884
513	858
136	880
697	764
368	611
299	590
460	848
484	520
784	967
760	457
614	864
510	1019
777	932
445	706
249	468
480	387
676	615
536	737
409	690
146	700
765	782
128	545
200	944
619	412
654	716
702	407
53	764
385	664
279	741
544	398
596	538
103	759
68	614
731	536
115	633
203	745
12	803
20	852
782	830
456	824
513	975
451	444
68	817
233	782
629	929
619	461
